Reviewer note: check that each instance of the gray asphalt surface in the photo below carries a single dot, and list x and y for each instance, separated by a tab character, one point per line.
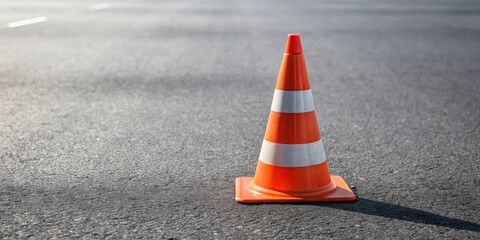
134	120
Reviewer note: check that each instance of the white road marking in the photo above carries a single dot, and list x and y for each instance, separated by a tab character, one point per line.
27	22
98	7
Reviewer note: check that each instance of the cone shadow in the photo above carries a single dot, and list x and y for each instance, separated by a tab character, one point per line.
376	208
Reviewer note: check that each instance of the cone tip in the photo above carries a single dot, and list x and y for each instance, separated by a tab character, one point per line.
294	45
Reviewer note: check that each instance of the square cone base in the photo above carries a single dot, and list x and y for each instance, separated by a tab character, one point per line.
342	193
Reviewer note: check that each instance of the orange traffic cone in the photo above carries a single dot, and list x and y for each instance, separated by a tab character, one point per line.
292	166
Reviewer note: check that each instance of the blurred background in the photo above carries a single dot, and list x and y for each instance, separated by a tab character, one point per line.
131	119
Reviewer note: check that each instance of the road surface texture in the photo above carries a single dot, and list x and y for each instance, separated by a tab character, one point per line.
131	119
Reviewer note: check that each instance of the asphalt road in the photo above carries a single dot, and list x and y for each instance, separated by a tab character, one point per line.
132	119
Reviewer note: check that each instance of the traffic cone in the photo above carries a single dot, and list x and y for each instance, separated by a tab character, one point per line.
292	166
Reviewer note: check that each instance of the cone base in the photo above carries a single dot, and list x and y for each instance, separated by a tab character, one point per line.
244	194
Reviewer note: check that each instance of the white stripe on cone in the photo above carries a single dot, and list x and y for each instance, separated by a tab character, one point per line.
292	101
292	155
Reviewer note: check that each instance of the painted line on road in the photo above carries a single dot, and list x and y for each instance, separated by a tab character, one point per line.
99	7
27	22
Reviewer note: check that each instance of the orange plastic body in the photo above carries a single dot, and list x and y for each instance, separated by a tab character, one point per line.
285	75
294	45
292	128
293	180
